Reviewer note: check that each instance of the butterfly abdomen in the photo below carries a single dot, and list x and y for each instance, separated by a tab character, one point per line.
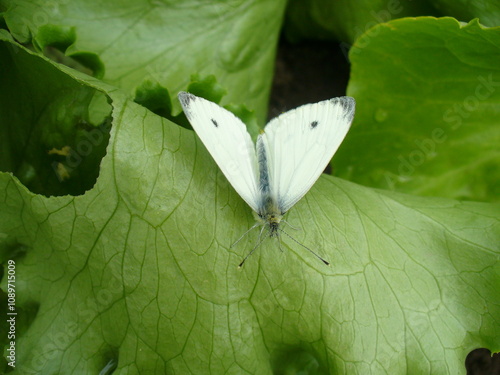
264	180
269	211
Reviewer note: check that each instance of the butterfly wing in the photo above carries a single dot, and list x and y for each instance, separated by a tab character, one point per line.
226	138
300	143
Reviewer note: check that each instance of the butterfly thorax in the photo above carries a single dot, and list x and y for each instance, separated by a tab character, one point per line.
270	214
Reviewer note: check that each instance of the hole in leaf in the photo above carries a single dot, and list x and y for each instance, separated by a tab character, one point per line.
297	360
57	129
55	40
481	362
154	97
111	363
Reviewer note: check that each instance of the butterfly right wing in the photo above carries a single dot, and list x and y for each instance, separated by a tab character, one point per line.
226	138
300	143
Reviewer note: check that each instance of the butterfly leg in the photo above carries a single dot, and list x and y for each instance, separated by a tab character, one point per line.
260	240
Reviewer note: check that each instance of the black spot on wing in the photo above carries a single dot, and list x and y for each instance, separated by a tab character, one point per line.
215	123
313	124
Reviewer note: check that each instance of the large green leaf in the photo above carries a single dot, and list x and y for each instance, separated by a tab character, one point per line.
345	20
163	42
137	272
427	119
488	11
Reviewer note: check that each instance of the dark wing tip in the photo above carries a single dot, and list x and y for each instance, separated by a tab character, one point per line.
185	98
348	104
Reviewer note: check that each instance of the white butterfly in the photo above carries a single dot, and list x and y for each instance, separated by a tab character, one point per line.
290	154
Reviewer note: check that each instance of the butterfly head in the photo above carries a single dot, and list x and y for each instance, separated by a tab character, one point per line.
272	221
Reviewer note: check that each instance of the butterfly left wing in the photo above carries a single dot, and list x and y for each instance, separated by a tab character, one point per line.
226	138
300	143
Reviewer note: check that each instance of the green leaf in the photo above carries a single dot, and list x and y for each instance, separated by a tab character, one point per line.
488	11
56	36
154	97
428	99
344	20
137	272
207	88
165	42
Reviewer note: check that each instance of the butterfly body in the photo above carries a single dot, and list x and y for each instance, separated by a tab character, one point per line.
268	212
288	157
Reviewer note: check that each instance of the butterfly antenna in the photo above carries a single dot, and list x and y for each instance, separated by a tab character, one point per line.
305	247
244	234
255	247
